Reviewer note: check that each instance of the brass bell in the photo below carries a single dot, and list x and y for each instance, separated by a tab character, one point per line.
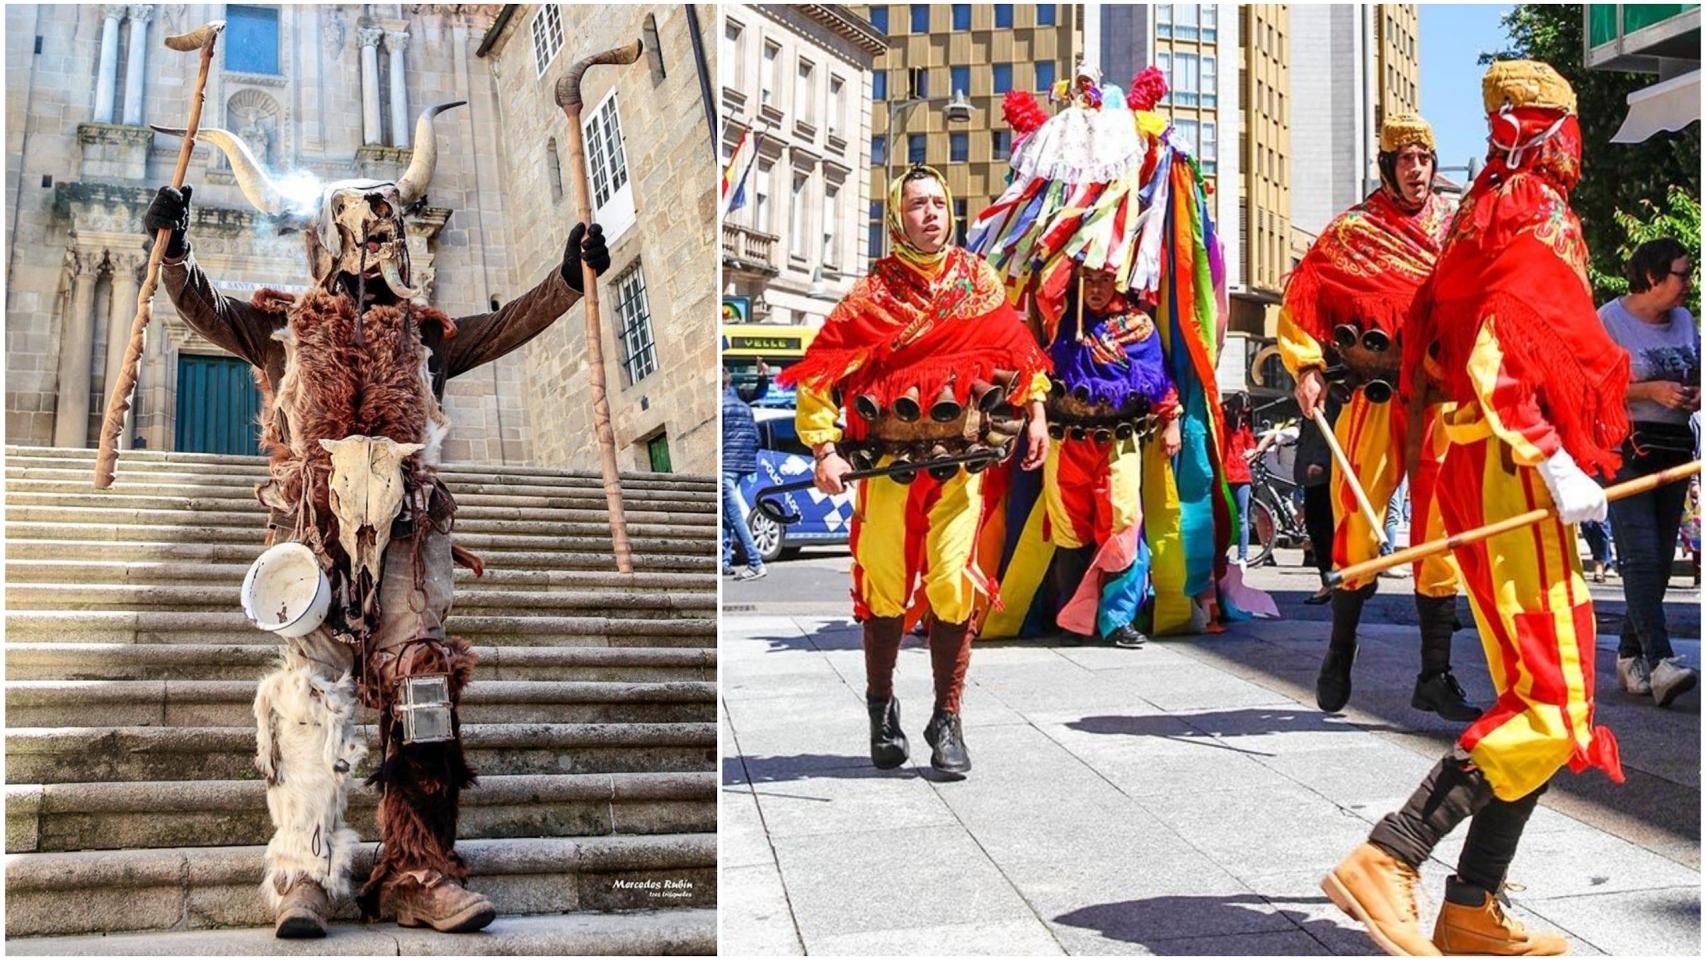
1376	341
1345	335
906	407
1123	430
1078	432
1103	435
946	409
1081	393
867	407
1377	391
1057	431
987	396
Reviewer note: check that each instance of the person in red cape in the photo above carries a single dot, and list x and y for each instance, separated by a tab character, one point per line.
1351	292
931	362
1505	335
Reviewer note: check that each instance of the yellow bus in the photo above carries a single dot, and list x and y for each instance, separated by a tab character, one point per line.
779	345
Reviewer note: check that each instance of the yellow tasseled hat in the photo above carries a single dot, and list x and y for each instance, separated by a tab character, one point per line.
1402	129
1526	83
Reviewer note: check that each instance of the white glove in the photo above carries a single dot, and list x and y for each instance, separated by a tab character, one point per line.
1574	493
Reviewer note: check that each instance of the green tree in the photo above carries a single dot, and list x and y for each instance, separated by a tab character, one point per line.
1678	218
1617	178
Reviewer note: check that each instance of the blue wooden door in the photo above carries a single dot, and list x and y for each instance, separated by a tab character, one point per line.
218	406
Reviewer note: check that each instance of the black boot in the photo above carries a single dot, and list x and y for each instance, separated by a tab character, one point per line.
888	741
1333	683
1065	573
1128	636
947	744
1436	689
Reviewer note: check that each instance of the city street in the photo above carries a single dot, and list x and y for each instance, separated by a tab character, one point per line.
1180	799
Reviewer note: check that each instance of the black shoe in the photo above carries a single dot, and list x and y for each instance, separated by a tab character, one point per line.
947	744
1442	694
1128	637
1333	683
888	741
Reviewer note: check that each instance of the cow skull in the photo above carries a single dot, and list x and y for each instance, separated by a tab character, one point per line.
366	494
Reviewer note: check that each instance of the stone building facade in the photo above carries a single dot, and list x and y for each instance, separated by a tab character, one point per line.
321	93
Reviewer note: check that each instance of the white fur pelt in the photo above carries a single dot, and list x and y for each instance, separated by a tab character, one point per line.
307	748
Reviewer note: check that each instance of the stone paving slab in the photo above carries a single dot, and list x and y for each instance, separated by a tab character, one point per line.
1181	799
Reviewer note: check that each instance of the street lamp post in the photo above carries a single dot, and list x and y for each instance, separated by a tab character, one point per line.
957	110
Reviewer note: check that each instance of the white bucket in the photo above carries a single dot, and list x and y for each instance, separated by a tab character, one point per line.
286	592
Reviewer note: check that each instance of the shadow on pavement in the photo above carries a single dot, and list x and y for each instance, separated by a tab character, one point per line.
808	766
1177	925
1249	721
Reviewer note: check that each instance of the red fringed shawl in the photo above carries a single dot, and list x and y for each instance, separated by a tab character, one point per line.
1367	265
897	330
1516	259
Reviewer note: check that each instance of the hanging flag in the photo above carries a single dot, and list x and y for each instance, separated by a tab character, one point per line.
740	164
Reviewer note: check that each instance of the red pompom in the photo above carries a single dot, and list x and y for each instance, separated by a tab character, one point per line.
1147	89
1022	111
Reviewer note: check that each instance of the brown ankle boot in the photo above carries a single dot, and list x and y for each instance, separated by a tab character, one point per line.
1487	930
302	912
1379	891
441	903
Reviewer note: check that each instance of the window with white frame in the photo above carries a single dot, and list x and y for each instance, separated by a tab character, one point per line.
1185	21
547	37
837	104
734	39
805	109
767	74
607	169
1210	80
831	197
797	244
634	325
1209	157
1164	63
761	207
1185	79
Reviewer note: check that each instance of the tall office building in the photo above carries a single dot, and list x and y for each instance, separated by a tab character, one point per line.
980	49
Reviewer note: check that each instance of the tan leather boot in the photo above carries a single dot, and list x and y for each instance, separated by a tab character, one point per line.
302	912
443	904
1487	930
1379	891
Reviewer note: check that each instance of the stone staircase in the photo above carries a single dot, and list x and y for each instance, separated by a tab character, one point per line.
135	822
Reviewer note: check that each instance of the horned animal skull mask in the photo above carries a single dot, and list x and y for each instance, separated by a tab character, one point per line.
366	494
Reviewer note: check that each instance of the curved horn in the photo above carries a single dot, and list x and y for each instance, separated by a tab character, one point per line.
413	183
251	176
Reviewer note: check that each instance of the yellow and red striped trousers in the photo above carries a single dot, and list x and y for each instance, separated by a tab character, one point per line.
1372	436
925	531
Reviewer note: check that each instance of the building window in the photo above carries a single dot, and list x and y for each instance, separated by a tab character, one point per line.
607	168
880	85
1164	63
920	18
1210	148
761	205
837	104
831	198
251	39
1003	77
1210	80
874	229
797	218
1045	14
657	451
1184	92
1004	16
1045	75
915	148
960	222
1164	20
734	39
1185	21
880	18
962	16
958	146
1188	133
1210	22
547	36
959	80
634	331
803	92
1001	144
767	76
879	149
918	82
554	170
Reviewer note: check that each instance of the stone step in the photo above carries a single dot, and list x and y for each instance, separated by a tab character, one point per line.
229	703
79	754
681	526
216	661
215	597
244	552
648	550
230	627
467	508
105	570
209	887
114	816
643	933
646	933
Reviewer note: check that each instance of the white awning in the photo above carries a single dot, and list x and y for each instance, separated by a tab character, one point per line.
1669	105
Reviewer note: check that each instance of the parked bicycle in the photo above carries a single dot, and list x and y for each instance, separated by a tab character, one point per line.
1276	516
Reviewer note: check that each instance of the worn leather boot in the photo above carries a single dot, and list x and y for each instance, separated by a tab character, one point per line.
1473	921
442	904
1436	690
1333	683
947	744
888	741
1378	891
1128	637
302	912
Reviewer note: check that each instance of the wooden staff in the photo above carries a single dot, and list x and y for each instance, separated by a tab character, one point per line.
1374	521
1367	568
202	38
569	98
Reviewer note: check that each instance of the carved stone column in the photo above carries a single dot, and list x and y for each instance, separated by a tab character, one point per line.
76	341
126	283
370	132
395	41
140	14
107	76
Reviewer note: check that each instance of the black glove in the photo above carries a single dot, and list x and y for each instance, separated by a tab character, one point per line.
170	210
586	244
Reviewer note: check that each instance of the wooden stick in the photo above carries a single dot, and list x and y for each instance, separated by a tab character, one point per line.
118	404
1358	571
569	98
1375	521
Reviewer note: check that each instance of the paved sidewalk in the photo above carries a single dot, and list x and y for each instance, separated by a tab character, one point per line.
1181	799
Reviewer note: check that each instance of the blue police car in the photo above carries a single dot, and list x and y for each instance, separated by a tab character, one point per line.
782	458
